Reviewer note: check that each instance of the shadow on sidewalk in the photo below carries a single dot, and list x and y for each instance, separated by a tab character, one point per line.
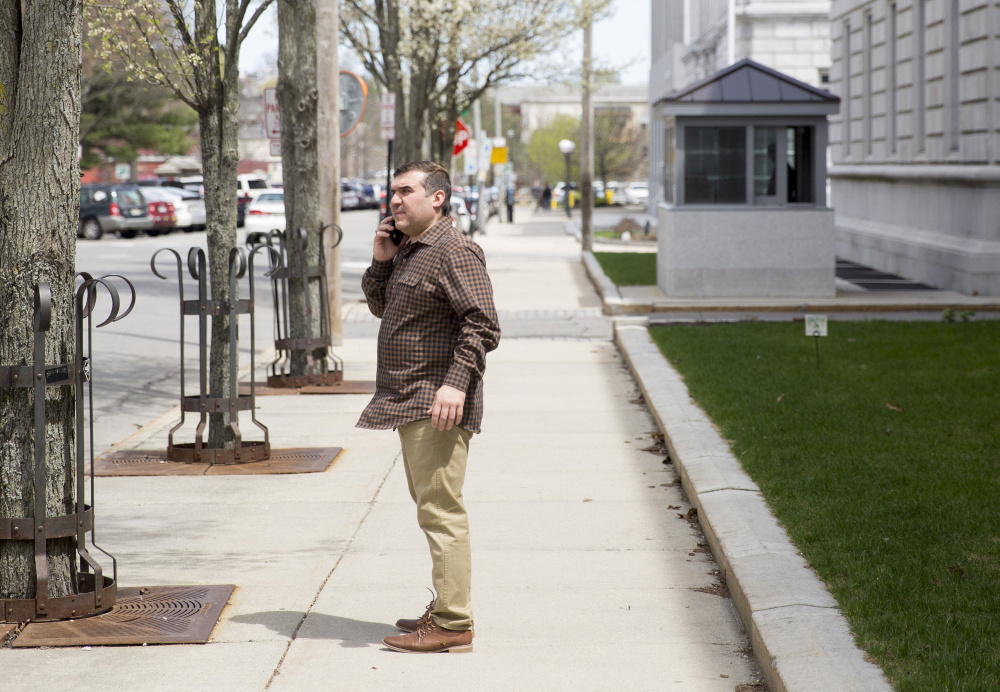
351	633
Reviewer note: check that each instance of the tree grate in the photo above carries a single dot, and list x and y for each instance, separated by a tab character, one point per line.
148	615
137	462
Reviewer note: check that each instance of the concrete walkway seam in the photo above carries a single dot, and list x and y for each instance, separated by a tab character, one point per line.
800	638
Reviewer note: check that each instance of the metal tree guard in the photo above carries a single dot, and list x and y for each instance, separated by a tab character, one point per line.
328	369
243	451
96	592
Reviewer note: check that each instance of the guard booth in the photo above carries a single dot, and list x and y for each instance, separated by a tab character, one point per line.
745	205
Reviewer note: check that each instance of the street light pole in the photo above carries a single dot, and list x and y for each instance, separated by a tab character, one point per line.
567	147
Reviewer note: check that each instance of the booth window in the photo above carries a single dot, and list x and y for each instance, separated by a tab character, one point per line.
715	165
799	157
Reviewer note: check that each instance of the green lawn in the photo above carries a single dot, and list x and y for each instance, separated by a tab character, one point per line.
629	268
884	466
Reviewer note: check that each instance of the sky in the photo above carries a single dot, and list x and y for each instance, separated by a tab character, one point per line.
620	41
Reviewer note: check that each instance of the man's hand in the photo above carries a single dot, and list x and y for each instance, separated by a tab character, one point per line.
447	408
384	248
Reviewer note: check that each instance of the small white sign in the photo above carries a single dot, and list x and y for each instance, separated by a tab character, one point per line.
387	122
815	325
272	123
275	147
123	171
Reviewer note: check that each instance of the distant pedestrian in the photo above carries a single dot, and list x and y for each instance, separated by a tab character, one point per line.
547	198
428	284
510	204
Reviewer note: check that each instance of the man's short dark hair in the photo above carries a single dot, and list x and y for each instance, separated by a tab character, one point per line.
436	179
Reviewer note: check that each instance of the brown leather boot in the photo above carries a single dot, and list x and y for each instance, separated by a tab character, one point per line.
413	625
431	638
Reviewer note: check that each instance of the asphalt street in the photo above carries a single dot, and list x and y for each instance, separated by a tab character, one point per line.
136	361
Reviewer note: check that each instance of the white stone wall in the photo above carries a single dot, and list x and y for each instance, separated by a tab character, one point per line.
916	146
745	252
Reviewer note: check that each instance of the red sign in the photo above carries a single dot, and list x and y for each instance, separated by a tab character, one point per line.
272	122
461	137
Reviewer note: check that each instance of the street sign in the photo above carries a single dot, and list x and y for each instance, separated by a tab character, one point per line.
275	147
485	152
123	171
387	123
272	122
815	325
461	137
353	95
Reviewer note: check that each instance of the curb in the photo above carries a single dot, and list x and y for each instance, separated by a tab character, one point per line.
800	638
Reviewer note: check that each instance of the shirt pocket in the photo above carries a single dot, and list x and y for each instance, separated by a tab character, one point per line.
413	291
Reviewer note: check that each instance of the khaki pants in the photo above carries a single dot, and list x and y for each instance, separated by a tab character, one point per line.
435	473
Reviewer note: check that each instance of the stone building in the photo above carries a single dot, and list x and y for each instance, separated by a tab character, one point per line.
692	39
916	146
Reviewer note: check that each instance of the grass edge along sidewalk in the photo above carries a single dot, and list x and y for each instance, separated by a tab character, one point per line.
800	639
628	268
883	464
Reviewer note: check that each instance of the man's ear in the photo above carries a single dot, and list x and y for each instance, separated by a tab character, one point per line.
438	200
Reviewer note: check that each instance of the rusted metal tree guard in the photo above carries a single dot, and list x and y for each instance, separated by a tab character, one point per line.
96	592
327	369
243	451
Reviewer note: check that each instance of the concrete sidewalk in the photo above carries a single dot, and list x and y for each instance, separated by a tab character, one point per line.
587	573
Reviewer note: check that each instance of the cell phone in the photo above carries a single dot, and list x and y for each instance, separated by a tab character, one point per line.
396	236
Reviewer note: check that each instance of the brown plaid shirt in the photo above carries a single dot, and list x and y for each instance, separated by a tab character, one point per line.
438	323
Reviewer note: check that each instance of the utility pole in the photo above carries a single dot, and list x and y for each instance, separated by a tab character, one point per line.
587	137
328	144
477	116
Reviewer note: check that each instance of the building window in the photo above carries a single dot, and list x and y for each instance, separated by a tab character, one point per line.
781	166
867	86
919	74
799	163
890	70
954	73
847	89
669	174
715	165
765	163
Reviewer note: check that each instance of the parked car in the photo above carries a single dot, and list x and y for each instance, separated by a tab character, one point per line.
637	193
349	198
160	209
251	185
112	208
189	207
460	214
194	183
370	195
265	213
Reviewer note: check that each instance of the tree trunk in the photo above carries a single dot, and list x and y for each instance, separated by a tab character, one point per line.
218	115
587	139
39	206
297	102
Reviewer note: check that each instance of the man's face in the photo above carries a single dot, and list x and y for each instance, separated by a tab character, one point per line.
413	210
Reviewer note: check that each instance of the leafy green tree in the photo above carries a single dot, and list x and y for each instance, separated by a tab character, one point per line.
193	49
543	149
619	144
119	117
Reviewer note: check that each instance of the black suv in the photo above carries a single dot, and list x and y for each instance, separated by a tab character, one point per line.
111	207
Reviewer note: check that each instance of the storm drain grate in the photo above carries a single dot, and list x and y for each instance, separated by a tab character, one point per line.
342	387
137	462
149	615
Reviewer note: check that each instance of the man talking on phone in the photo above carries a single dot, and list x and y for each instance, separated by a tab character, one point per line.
429	285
